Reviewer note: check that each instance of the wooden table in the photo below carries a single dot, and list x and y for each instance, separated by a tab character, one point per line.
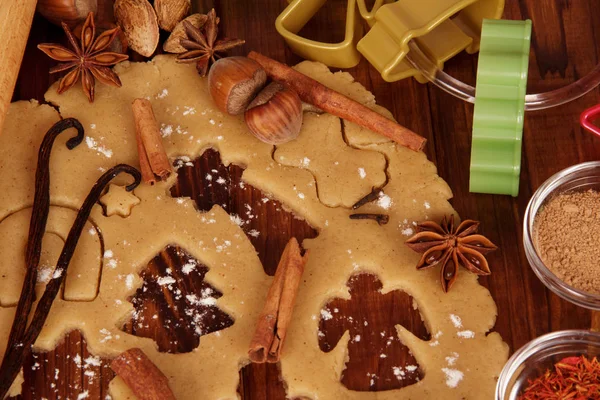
563	49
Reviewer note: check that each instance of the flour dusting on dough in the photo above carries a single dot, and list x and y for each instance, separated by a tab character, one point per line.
329	185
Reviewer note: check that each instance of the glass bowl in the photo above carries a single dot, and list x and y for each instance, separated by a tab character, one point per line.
539	101
580	177
539	355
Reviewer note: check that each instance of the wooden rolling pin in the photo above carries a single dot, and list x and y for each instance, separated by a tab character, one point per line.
15	22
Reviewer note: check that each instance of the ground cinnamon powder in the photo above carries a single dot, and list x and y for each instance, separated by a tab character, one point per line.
567	238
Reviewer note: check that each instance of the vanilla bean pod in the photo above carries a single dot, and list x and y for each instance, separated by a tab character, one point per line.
12	362
381	219
37	224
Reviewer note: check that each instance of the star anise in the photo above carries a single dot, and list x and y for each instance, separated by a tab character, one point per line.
202	45
89	60
450	247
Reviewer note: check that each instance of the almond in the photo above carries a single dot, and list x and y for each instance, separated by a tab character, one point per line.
139	23
170	12
172	45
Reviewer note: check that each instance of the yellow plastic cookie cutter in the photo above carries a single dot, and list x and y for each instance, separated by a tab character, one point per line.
369	15
441	28
340	55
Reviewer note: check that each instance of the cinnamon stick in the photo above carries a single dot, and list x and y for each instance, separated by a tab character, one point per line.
144	378
152	154
145	169
328	100
277	313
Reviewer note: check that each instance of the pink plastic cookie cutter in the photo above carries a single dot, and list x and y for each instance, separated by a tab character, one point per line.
588	116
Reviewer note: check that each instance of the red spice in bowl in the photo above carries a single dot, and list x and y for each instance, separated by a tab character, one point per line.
575	378
538	359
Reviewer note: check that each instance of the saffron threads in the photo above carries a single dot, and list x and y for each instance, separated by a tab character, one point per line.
573	378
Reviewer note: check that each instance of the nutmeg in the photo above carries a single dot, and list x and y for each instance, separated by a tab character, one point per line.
233	82
70	12
275	115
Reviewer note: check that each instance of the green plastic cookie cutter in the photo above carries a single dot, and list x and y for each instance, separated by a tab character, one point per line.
500	107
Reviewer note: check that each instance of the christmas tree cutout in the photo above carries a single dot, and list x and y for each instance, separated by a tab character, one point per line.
176	301
266	224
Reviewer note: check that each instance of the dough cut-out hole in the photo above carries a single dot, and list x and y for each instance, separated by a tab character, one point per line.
175	306
67	372
378	360
207	181
261	381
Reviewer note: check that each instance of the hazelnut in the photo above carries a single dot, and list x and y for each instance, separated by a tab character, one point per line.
233	82
275	115
70	12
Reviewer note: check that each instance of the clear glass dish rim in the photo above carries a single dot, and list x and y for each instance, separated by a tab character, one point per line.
540	101
532	347
551	281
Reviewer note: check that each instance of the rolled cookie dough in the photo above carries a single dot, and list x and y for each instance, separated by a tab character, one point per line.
460	361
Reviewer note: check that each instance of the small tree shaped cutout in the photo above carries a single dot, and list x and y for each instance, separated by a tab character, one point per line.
371	320
266	224
175	306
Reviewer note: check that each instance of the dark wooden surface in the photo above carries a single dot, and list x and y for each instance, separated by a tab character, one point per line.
564	48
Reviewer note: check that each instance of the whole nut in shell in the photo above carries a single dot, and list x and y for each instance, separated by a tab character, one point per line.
233	82
138	21
71	12
170	12
275	115
172	44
